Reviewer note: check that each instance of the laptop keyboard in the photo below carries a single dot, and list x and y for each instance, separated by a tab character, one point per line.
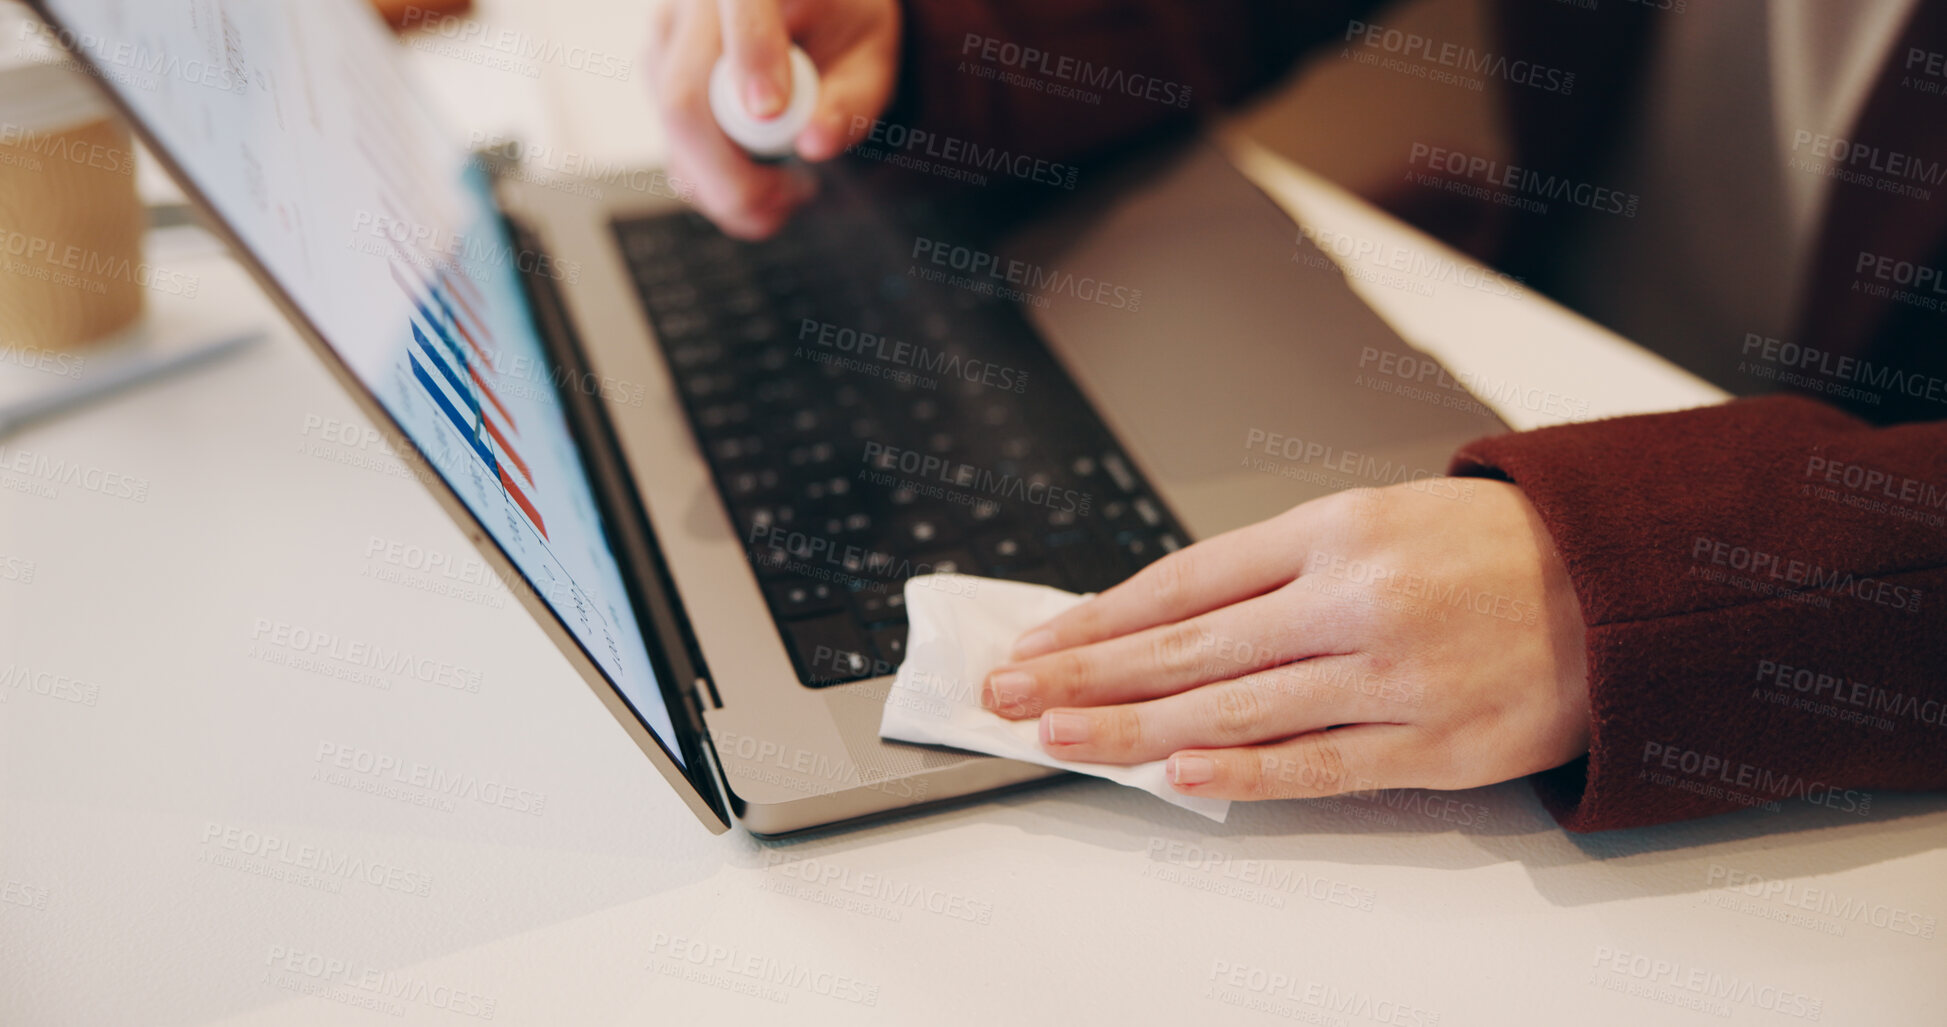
866	422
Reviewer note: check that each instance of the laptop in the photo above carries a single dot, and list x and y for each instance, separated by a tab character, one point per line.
707	467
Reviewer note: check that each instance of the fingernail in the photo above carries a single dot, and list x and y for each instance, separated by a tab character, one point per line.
1059	727
1034	643
1192	770
1005	688
764	95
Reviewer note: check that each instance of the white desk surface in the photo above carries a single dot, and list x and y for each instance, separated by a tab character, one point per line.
150	741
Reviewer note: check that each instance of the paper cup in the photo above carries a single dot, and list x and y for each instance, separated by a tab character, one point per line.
71	221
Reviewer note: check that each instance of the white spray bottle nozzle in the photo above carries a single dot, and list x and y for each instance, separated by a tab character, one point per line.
764	138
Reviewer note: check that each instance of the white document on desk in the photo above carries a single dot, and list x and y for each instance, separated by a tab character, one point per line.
961	627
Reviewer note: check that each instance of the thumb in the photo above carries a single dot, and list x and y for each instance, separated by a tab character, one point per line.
760	54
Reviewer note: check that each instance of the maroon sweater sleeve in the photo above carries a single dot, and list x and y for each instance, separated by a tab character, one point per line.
1001	72
1762	583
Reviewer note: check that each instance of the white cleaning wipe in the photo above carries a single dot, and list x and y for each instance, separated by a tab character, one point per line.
961	627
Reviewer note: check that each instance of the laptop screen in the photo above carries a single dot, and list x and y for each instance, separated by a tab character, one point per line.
295	121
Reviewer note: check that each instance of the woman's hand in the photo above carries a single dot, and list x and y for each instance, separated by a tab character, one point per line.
854	43
1422	635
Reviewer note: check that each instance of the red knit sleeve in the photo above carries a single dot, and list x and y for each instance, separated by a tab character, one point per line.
1763	585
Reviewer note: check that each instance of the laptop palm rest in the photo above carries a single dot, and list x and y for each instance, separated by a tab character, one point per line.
1247	377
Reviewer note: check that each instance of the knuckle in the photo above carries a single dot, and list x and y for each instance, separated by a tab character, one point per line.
1250	778
1322	765
1122	729
1237	714
1312	768
1169	579
1073	678
1178	647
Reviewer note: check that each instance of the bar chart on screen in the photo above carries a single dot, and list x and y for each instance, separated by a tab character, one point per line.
451	272
308	142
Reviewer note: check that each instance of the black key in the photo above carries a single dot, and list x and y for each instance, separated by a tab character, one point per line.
829	649
1117	514
1138	550
810	456
729	416
879	606
797	597
754	482
673	327
1003	552
1118	471
891	644
925	528
732	448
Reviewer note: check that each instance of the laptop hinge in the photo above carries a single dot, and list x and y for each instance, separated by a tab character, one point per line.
664	622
